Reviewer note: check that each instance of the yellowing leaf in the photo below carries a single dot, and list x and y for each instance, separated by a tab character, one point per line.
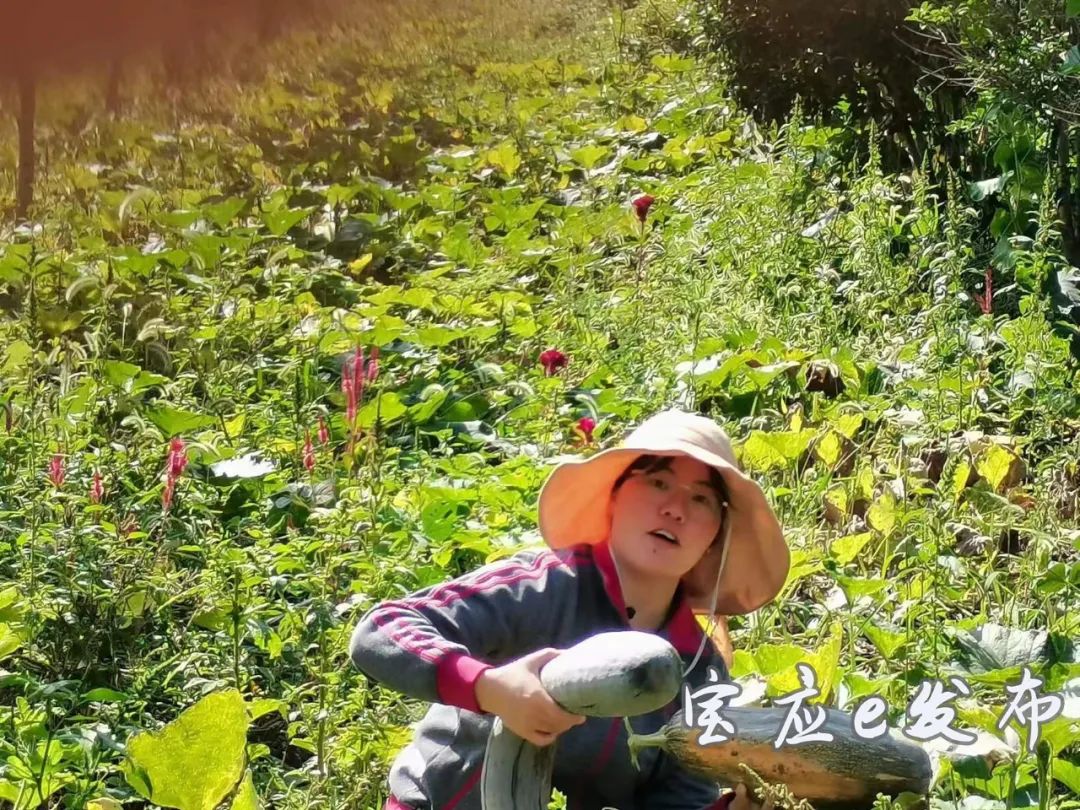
882	514
246	798
887	641
777	664
197	759
764	451
865	483
995	465
235	426
802	565
505	158
846	549
358	265
849	424
959	479
104	803
829	449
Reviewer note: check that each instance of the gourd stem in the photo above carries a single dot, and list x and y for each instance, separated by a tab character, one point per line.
638	741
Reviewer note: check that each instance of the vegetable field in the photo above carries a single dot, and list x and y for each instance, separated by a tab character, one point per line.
311	335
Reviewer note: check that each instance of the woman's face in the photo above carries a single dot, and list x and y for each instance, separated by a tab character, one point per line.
678	500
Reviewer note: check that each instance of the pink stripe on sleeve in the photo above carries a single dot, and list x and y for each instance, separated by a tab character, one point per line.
422	644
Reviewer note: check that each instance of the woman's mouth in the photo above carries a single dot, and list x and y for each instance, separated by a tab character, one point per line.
666	536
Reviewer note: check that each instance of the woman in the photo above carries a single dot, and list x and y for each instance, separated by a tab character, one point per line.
641	536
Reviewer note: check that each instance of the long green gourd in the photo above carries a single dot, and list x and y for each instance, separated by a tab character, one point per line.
628	673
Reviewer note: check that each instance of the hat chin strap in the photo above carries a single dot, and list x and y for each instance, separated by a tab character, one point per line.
716	592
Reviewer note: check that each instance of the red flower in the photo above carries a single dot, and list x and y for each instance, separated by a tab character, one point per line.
585	427
552	360
97	489
177	457
56	470
642	205
324	432
174	468
309	452
352	385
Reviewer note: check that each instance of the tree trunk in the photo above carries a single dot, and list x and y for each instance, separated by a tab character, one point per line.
27	111
112	89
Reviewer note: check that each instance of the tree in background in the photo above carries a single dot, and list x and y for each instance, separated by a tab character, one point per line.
53	39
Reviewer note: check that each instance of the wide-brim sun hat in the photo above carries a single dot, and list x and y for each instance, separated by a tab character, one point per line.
732	578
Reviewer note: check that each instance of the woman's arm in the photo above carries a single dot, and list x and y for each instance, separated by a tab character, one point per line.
434	644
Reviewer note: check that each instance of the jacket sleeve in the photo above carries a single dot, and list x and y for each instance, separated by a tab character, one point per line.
434	644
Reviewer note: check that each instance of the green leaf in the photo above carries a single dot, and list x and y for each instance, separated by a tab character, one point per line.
846	549
764	451
1071	66
505	157
388	406
882	514
887	641
103	695
118	372
10	641
803	564
222	213
173	421
993	646
246	798
279	222
854	588
589	156
16	357
196	760
761	376
1072	8
849	424
1068	774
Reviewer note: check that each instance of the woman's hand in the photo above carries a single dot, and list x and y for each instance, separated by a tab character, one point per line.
742	801
514	693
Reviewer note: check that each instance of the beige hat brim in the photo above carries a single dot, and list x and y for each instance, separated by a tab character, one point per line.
575	507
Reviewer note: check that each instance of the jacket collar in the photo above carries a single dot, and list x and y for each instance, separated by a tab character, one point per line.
681	628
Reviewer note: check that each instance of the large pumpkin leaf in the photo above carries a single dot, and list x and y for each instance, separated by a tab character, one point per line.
993	646
197	759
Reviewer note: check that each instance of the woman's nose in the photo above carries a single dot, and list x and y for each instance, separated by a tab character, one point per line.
674	506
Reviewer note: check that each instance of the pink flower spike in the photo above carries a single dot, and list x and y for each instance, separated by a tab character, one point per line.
986	301
642	205
309	452
585	427
177	458
97	489
324	432
552	360
56	470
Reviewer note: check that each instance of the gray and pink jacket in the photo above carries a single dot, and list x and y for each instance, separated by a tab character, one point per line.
434	644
